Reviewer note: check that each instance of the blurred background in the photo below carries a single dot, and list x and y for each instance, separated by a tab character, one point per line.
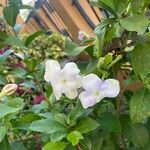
63	16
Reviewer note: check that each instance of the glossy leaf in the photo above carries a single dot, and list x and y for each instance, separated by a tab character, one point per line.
58	136
139	106
76	51
110	123
55	146
46	126
135	133
138	23
86	125
15	41
10	14
32	37
4	145
4	56
3	131
5	110
74	137
140	58
17	146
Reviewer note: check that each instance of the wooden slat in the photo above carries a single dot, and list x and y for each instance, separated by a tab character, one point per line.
46	21
35	25
87	8
71	17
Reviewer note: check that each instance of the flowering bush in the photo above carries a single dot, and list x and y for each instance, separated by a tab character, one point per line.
52	98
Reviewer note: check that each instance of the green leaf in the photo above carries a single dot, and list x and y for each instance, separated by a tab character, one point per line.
110	123
48	115
61	118
77	51
3	131
19	72
5	110
139	106
3	80
69	45
135	133
46	126
25	7
32	37
39	107
17	2
10	14
31	64
147	147
29	84
103	24
140	58
108	5
91	66
16	103
15	41
140	137
86	125
77	113
3	36
74	137
138	23
25	121
4	145
58	136
55	146
4	56
17	146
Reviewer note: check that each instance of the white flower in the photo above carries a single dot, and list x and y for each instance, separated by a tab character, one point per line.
95	90
63	81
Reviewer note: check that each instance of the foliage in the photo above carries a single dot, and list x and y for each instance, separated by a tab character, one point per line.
32	118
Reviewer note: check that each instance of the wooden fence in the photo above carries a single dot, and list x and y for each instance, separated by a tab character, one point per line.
64	16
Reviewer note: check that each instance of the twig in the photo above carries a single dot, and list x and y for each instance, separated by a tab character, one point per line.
79	148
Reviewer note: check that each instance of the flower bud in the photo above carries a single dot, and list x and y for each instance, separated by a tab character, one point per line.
8	89
82	35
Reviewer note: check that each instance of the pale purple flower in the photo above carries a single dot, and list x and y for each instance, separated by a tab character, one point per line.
96	89
81	35
64	81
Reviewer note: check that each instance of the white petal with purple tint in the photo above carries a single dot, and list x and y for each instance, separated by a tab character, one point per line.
91	82
110	88
95	90
87	99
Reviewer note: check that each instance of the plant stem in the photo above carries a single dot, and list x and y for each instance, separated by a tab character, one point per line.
79	148
115	61
42	92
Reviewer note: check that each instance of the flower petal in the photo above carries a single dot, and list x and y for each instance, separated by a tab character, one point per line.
75	78
91	82
71	90
52	66
57	90
110	88
87	99
71	69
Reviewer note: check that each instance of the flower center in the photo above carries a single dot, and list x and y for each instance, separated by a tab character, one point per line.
97	93
63	81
